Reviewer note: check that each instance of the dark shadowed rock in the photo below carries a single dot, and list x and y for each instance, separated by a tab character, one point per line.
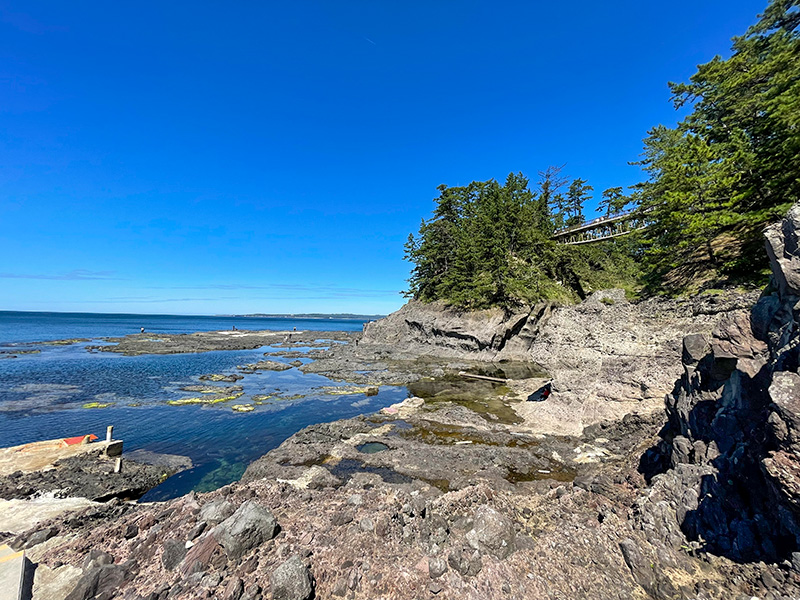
98	582
292	581
41	536
465	560
131	531
250	526
695	347
173	554
341	517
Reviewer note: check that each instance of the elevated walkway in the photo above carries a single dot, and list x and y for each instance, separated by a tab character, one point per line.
602	228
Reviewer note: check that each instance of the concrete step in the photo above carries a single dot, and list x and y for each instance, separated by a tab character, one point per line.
12	573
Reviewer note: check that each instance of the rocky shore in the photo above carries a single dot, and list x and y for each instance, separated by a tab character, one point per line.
469	490
207	341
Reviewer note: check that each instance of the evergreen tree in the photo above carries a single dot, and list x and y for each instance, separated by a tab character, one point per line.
577	195
733	164
489	244
613	201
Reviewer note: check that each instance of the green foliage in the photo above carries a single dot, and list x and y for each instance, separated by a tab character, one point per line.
713	182
613	201
577	195
733	164
491	245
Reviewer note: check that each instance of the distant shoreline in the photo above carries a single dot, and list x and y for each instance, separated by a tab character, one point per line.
348	316
310	316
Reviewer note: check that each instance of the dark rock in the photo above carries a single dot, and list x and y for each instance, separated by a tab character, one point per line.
174	552
695	347
250	526
197	530
341	517
131	531
762	314
98	582
41	536
86	476
465	561
291	581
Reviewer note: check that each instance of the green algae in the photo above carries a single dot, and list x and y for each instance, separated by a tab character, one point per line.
344	390
98	404
488	399
201	400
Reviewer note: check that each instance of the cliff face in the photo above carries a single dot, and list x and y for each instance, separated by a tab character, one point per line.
607	356
730	454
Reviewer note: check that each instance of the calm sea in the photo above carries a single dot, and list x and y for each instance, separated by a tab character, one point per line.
43	394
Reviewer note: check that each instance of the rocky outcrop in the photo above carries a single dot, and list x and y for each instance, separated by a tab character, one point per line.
607	356
730	455
92	475
447	331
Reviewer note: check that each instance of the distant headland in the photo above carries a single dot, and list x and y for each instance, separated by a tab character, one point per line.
312	316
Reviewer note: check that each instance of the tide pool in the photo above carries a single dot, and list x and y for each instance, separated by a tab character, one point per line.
43	394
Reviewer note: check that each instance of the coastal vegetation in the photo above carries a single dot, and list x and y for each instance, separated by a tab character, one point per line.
489	244
712	183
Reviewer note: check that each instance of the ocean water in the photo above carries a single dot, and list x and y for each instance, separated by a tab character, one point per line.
43	394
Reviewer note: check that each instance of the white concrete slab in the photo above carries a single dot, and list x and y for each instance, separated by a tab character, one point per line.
12	574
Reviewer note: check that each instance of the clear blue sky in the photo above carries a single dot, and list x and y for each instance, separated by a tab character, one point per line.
208	157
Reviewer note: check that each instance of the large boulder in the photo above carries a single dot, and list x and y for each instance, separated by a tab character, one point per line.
250	526
782	248
292	581
492	533
99	582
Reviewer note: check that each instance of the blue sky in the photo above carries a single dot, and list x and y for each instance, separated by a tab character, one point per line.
216	158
